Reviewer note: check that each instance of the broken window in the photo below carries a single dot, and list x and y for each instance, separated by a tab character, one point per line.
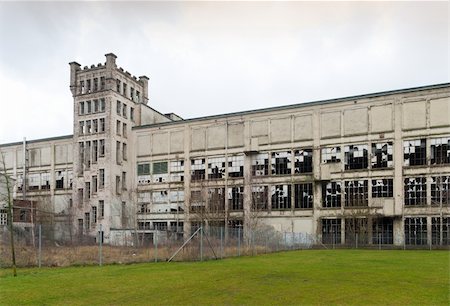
132	93
138	96
281	162
198	169
124	110
303	195
144	202
216	200
118	107
260	164
331	231
81	109
70	177
102	125
88	86
82	88
438	226
177	171
382	231
81	124
281	197
94	151
95	84
331	194
95	126
94	184
197	203
143	172
303	161
160	172
236	166
440	190
101	145
356	231
102	83
59	179
440	151
216	167
160	226
415	152
94	214
176	198
416	231
356	193
33	181
382	155
88	107
415	191
260	197
89	127
355	157
382	188
236	198
132	114
331	155
101	178
101	105
101	208
124	151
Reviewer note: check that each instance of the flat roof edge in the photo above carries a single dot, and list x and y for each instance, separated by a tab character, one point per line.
304	104
36	140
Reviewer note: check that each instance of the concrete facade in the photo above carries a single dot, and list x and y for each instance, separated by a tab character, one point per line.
374	167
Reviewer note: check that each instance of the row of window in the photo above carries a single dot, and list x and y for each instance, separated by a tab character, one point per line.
175	226
132	93
122	110
91	151
94	126
91	107
415	230
92	85
41	181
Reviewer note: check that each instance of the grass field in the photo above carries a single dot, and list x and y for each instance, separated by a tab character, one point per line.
300	277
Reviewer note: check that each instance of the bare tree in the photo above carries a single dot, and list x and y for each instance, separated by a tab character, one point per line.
6	196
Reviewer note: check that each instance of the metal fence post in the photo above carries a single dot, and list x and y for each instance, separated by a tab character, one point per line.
356	242
40	245
155	241
221	242
100	255
239	241
379	241
201	244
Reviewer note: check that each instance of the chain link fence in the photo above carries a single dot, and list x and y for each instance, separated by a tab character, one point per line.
40	248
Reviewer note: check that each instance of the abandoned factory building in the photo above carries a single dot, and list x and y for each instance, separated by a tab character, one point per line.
376	163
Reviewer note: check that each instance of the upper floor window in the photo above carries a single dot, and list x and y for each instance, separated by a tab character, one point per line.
440	190
118	108
124	89
198	169
118	85
236	166
81	109
331	155
382	188
382	155
415	191
415	152
132	113
177	171
303	195
281	197
260	164
216	167
303	161
440	151
102	83
356	193
331	194
281	162
356	156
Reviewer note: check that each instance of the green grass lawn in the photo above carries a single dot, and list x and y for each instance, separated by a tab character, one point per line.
300	277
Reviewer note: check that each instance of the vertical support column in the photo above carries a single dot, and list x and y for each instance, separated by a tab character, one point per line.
399	236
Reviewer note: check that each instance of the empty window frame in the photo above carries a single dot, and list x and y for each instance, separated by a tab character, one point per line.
118	128
101	105
102	83
356	193
382	155
216	167
81	128
118	108
281	197
198	169
118	155
33	181
331	155
143	172
160	226
94	151
101	148
88	107
415	191
59	179
197	203
81	109
281	162
440	190
160	171
101	178
124	110
355	156
356	231
331	231
176	198
382	231
236	166
124	151
331	194
416	231
160	197
260	198
45	180
438	226
94	184
260	164
101	126
95	84
382	188
177	171
303	195
95	126
101	208
132	114
440	151
236	198
88	127
216	200
303	161
82	87
415	152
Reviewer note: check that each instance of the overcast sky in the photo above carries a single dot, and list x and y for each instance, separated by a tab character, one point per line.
206	58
